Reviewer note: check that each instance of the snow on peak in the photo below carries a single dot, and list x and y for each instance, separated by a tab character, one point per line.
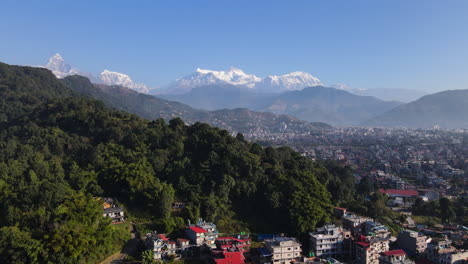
58	66
117	78
235	76
203	77
61	69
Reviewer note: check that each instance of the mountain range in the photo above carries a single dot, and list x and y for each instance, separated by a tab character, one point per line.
237	77
447	109
314	104
147	106
60	69
207	95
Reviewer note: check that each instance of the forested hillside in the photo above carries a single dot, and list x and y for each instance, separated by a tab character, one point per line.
58	151
151	107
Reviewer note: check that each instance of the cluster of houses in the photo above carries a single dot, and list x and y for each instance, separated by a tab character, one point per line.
360	240
223	250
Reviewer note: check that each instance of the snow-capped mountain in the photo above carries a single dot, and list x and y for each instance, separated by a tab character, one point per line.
237	77
61	70
288	82
116	78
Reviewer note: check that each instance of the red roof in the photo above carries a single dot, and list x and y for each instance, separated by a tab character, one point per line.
364	244
182	239
163	237
397	252
230	238
399	192
197	229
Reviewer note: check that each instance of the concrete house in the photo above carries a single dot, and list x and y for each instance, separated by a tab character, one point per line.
283	249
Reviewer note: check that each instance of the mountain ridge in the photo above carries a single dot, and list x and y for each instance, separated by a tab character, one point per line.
446	109
151	107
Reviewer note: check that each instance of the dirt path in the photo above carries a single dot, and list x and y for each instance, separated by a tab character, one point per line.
129	249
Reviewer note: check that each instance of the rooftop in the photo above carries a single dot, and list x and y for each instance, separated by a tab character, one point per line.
197	229
397	252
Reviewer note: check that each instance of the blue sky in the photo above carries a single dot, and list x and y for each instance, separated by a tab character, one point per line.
366	44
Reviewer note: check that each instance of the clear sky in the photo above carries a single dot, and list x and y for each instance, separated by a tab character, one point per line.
413	44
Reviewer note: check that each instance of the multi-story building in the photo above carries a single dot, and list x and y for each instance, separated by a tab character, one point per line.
412	241
160	245
202	233
375	229
394	257
330	241
196	235
283	249
368	249
458	257
211	233
437	248
354	222
442	252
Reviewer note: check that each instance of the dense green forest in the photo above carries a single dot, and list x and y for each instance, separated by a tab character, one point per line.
59	150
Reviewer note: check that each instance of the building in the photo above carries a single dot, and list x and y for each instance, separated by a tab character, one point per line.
160	245
437	248
211	232
110	209
230	250
442	252
115	213
375	229
196	235
202	233
400	193
330	241
183	243
458	257
412	241
354	223
231	242
315	260
368	249
394	257
283	249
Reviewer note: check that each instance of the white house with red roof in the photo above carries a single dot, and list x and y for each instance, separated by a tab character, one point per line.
196	235
397	256
202	233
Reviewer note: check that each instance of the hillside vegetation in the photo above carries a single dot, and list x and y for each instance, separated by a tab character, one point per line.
59	150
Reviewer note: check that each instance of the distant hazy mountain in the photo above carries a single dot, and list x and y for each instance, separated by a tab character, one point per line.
401	95
61	70
330	105
237	77
314	104
447	109
151	107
